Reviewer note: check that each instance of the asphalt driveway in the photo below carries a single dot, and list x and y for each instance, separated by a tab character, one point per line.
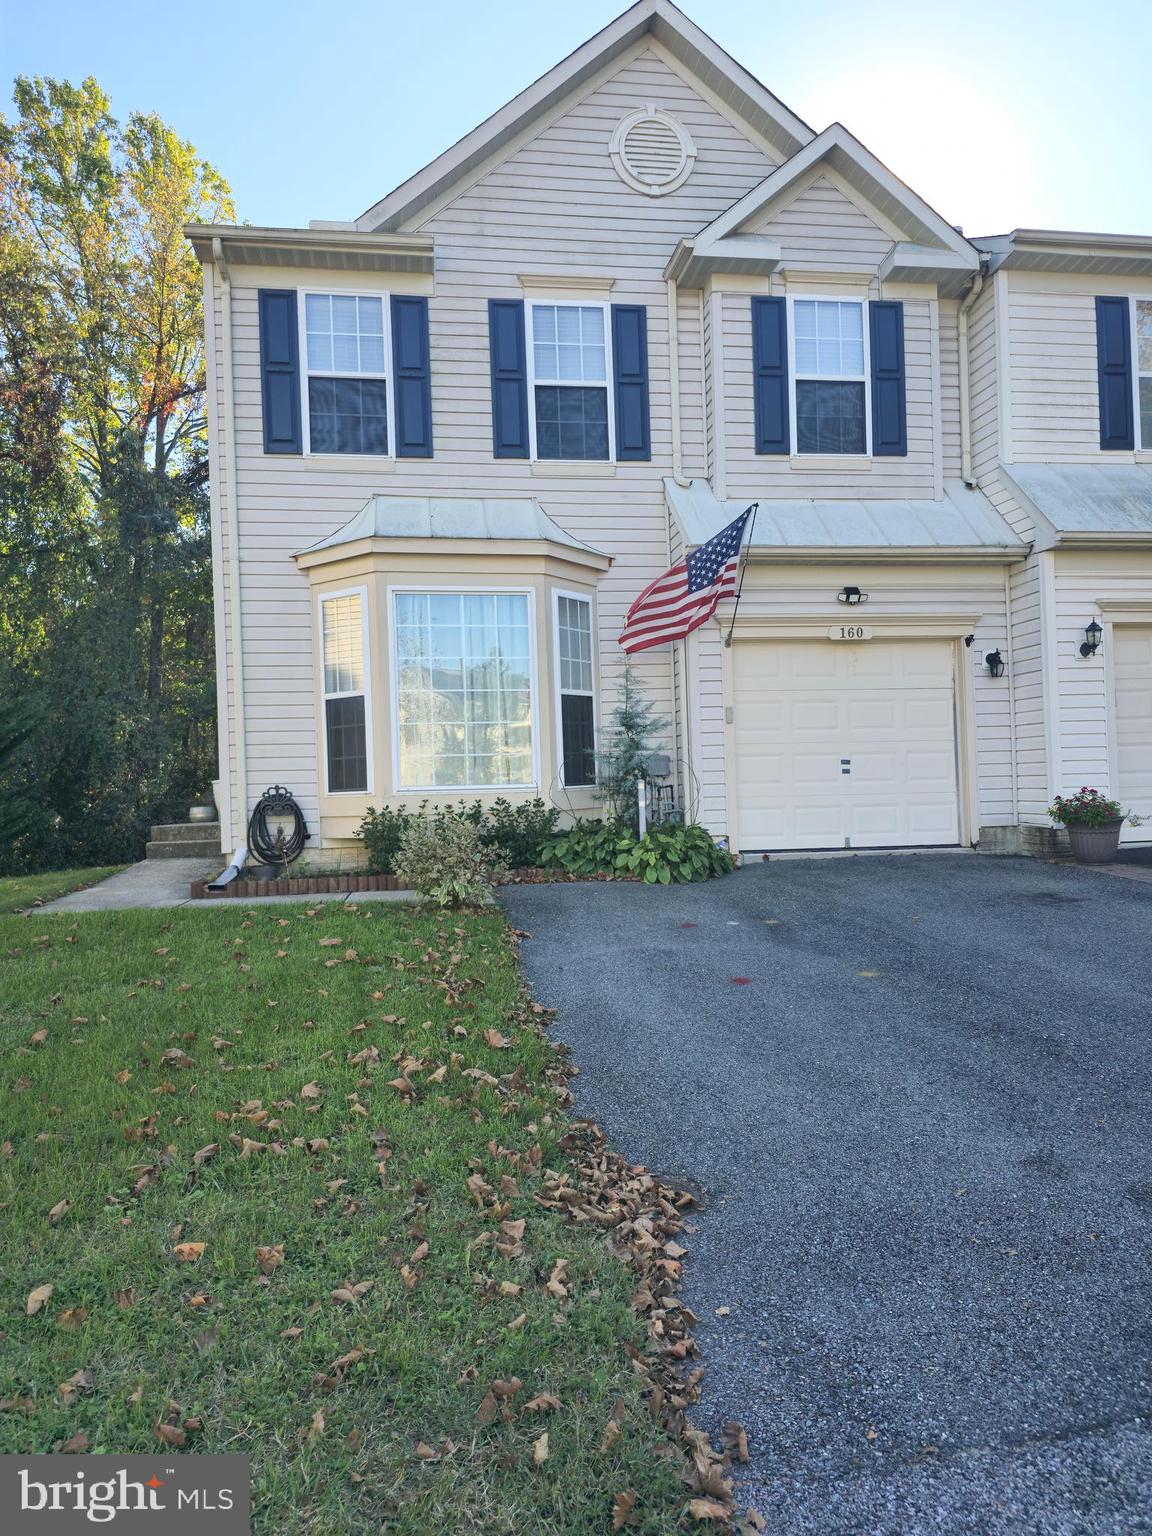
922	1122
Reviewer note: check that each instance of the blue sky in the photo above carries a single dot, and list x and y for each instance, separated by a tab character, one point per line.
1028	113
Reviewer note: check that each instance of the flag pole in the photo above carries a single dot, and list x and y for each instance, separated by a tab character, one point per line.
743	567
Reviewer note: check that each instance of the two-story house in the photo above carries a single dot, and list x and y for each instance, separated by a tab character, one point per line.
454	438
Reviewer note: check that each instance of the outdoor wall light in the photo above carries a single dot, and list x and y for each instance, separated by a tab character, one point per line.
851	595
995	664
1091	642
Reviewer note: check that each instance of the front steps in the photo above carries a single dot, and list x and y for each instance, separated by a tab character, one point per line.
185	840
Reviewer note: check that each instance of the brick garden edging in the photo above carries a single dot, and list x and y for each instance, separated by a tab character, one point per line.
329	885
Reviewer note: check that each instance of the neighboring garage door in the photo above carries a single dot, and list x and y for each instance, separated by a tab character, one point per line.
1132	671
844	745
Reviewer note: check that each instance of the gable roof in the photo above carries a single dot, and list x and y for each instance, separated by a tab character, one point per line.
859	167
659	19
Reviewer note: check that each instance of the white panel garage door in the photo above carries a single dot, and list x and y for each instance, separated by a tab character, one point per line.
1132	671
842	745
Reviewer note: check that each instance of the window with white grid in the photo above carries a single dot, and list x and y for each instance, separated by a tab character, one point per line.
345	348
829	348
345	692
570	381
463	690
1143	351
577	690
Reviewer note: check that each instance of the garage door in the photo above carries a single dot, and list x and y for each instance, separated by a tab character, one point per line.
1132	671
844	745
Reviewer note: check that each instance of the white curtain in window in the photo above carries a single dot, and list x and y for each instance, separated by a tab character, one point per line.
464	690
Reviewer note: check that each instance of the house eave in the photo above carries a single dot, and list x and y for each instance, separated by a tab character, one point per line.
341	250
438	548
1055	250
694	261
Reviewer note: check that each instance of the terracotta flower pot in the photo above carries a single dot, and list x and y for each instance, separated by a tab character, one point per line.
1095	845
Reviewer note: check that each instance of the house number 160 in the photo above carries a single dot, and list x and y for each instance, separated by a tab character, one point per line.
850	632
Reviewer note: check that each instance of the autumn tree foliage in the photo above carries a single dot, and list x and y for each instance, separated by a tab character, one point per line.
105	592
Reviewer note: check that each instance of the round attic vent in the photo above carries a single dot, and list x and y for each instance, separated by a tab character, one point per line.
652	152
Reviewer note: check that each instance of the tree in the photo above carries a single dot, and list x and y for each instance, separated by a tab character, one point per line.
104	542
633	729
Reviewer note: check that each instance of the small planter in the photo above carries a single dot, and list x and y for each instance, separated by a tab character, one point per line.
1095	845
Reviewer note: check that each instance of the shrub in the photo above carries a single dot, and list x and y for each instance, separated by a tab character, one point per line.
587	848
382	831
665	856
445	862
519	831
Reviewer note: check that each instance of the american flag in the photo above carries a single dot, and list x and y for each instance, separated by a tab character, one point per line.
685	597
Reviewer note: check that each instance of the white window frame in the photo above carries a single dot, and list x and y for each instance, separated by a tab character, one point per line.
559	691
321	599
449	791
307	373
531	304
1137	372
828	378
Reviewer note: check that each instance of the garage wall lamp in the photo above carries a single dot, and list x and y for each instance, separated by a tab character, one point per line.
1091	642
995	664
851	595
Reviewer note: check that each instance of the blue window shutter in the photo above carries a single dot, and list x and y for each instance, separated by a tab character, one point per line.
770	374
280	370
630	372
889	395
1114	373
413	377
509	378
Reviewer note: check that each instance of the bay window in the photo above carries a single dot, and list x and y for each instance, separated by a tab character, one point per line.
830	381
577	690
570	381
344	648
346	386
464	690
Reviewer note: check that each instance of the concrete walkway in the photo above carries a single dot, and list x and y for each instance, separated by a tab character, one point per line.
165	883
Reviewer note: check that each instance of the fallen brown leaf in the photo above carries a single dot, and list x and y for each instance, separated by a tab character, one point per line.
37	1298
189	1253
59	1211
622	1506
171	1434
270	1258
540	1450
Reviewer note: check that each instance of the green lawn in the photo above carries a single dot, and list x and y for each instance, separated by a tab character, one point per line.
237	1146
22	891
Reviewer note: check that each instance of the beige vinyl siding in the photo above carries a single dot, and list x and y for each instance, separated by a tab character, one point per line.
1026	663
948	311
1082	579
1051	331
554	207
824	230
751	474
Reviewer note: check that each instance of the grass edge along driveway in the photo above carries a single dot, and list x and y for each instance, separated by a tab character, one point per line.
299	1183
18	892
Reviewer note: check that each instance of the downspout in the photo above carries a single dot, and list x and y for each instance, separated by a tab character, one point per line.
970	298
232	524
678	477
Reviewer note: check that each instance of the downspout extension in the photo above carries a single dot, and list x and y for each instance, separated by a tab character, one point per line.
970	298
239	805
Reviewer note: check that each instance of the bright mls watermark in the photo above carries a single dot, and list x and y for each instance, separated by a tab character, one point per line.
61	1495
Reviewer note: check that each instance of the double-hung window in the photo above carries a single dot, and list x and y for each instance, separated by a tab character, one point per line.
577	689
347	385
464	690
344	649
829	343
570	381
1142	352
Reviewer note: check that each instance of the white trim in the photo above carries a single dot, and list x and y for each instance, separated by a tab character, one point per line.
1140	445
864	378
651	113
326	597
558	691
531	304
306	373
483	588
